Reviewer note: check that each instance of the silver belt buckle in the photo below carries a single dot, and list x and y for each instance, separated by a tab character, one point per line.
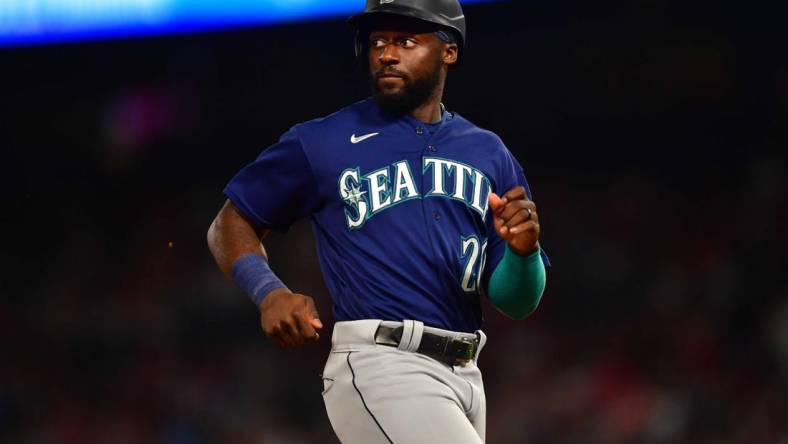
471	351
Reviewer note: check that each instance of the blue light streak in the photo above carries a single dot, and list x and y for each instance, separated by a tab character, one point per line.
27	22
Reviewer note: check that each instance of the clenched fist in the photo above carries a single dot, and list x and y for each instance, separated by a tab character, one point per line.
516	220
289	319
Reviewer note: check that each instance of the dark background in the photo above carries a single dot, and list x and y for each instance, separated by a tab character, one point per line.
653	133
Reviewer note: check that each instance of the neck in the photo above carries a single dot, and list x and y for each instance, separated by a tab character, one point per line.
430	110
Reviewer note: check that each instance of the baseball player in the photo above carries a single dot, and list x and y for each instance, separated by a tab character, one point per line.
417	214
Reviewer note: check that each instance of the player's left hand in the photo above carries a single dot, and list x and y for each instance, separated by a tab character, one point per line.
516	220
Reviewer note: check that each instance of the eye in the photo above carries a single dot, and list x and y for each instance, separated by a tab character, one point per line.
407	43
376	42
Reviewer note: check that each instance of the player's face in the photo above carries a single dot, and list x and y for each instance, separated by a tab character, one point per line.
405	67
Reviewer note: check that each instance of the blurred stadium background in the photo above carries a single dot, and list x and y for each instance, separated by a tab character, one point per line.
653	132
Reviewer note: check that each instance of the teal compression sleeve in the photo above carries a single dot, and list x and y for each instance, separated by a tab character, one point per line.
517	284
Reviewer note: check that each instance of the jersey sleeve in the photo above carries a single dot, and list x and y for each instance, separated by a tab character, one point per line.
510	175
278	188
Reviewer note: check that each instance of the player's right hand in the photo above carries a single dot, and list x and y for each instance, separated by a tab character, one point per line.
289	319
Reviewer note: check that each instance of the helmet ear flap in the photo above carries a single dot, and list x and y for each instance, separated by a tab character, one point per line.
359	47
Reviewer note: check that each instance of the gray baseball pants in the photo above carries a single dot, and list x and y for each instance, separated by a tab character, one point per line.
384	394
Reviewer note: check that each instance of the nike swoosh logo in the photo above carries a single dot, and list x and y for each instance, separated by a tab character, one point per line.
354	139
452	18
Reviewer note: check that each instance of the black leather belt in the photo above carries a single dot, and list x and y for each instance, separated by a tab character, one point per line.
449	350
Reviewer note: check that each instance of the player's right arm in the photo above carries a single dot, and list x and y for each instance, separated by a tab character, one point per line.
287	318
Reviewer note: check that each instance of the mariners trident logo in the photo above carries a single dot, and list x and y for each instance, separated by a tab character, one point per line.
369	194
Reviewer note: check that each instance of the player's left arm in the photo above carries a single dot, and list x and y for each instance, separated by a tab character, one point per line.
519	280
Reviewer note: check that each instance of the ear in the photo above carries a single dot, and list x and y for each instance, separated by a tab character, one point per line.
450	54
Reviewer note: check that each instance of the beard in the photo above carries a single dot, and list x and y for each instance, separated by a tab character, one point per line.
414	91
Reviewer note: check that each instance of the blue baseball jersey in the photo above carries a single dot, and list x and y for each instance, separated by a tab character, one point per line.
398	208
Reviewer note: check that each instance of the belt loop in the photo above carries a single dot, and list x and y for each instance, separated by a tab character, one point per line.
482	340
411	335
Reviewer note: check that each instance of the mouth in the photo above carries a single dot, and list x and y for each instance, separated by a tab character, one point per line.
389	75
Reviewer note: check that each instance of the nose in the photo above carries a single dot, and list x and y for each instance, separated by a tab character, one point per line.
389	55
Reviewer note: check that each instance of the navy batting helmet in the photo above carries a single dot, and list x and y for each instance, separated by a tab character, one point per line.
445	14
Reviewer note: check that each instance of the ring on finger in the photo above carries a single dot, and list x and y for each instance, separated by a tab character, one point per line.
529	214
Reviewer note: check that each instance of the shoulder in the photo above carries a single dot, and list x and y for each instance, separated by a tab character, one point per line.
481	137
350	117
